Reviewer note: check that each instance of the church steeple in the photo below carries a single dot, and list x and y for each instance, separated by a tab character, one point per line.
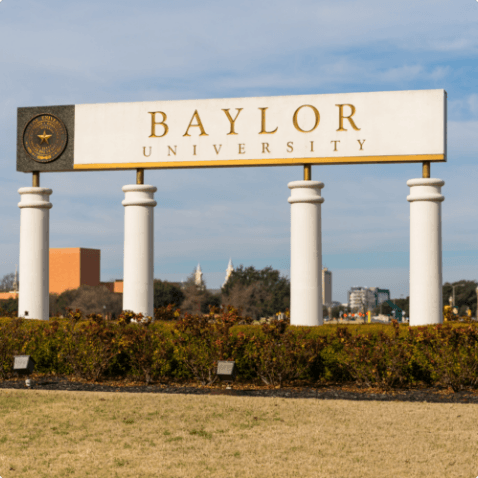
15	281
198	277
229	271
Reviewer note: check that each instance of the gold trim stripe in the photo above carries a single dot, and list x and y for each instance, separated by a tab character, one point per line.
264	162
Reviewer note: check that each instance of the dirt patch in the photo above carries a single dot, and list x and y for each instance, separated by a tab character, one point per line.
328	392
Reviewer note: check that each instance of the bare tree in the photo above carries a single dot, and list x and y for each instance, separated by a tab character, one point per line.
7	281
89	299
250	299
197	298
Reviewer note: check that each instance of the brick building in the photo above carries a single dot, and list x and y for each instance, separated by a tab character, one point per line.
72	267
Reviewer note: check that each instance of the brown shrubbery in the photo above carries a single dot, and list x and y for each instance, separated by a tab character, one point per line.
134	347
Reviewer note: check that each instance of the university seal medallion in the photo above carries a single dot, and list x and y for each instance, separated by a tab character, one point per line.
45	138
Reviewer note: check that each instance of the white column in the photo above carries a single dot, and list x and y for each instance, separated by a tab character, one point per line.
138	249
426	302
33	300
306	253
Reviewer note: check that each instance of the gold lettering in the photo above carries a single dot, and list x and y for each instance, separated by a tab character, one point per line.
171	150
361	144
335	145
263	123
311	146
217	150
194	150
241	148
154	123
144	151
290	147
317	118
198	125
231	120
349	117
265	148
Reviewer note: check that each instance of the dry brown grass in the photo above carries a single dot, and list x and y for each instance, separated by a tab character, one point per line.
66	434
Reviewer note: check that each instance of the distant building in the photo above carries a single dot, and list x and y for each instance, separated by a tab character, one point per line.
73	267
326	287
363	298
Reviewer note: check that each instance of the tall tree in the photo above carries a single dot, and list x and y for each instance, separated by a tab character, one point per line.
465	295
166	293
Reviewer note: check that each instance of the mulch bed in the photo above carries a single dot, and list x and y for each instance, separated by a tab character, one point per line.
326	392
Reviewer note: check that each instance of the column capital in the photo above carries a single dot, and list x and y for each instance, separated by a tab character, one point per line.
139	195
32	197
139	188
305	192
425	189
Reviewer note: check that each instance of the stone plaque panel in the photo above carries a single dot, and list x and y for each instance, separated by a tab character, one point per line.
45	138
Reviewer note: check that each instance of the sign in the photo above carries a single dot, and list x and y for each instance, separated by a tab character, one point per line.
401	126
23	364
226	370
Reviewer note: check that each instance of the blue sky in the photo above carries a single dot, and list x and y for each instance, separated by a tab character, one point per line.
57	52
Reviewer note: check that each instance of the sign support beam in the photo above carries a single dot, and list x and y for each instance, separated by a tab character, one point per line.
426	169
307	172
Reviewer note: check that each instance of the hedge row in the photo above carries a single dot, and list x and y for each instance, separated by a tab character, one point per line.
388	356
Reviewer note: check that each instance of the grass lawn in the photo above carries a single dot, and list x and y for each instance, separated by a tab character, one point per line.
79	434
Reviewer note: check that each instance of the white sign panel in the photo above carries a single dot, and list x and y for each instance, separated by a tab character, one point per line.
401	126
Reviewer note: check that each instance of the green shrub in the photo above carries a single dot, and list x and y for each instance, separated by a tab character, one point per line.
279	355
452	354
200	341
381	359
135	347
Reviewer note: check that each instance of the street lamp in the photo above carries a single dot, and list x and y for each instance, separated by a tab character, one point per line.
450	299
